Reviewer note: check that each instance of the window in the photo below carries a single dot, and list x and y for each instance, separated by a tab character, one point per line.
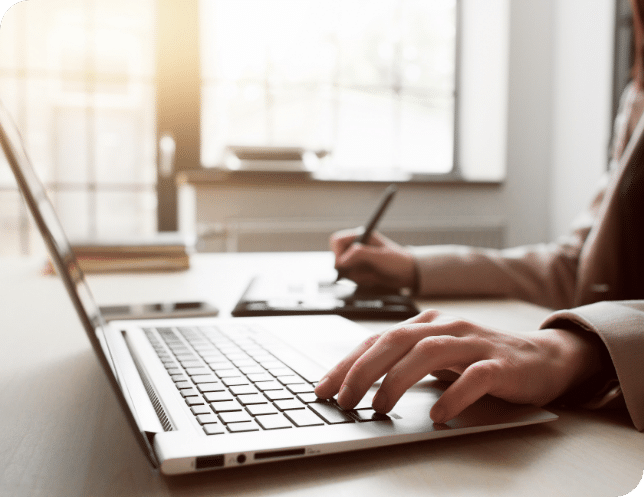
371	83
78	78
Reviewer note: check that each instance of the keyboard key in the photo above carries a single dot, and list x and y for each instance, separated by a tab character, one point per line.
235	380
260	409
280	371
179	377
204	378
364	415
234	417
214	429
227	373
273	422
189	392
243	389
191	363
244	363
285	405
218	396
226	406
271	363
201	409
237	355
207	418
193	401
197	371
256	398
255	377
300	388
220	364
213	356
330	413
269	385
184	384
211	387
308	397
250	369
241	427
278	394
304	417
289	380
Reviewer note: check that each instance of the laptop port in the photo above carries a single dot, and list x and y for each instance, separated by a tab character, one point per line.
206	462
279	453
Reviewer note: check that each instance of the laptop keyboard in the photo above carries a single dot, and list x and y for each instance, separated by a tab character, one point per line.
235	379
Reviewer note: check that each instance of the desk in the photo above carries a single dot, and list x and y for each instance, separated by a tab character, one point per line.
63	434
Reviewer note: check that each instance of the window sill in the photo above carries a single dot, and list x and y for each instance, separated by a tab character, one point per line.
221	175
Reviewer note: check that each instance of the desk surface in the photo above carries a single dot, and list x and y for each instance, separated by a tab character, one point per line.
63	433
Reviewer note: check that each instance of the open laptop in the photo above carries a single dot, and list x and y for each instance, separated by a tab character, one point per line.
211	393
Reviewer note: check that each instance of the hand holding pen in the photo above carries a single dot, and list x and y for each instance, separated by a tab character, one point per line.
371	259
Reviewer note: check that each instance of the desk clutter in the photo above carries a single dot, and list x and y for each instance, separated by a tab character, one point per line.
162	252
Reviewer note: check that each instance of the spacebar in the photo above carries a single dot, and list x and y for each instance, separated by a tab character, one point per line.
302	365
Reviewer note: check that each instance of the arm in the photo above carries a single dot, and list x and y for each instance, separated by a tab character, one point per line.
620	326
545	274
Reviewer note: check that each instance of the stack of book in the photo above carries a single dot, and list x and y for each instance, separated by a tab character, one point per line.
162	252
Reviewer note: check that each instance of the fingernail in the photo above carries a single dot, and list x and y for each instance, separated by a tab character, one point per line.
345	399
319	389
438	415
379	402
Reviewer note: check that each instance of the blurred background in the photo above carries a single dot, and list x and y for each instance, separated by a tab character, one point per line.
464	102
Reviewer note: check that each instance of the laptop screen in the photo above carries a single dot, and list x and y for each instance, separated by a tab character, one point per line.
48	224
64	260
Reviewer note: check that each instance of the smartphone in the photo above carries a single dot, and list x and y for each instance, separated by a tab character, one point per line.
158	310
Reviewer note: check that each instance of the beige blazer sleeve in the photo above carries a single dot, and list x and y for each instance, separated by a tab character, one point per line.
545	274
621	327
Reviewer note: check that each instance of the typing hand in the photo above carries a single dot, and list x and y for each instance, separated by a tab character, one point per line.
531	368
381	263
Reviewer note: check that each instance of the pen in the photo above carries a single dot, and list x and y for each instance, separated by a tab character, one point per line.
373	220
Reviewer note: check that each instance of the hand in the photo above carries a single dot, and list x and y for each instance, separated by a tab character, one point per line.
527	368
381	263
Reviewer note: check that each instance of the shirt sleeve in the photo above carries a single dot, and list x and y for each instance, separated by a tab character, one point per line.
544	274
620	325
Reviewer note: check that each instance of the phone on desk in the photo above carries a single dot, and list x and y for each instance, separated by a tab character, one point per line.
158	310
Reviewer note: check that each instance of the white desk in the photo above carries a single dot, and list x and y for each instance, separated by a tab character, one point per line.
62	432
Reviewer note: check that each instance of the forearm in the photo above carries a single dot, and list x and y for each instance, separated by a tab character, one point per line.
542	274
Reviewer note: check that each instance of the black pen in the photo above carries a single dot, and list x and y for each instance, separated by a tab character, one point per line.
373	220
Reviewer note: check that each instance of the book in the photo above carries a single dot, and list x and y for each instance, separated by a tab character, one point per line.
162	252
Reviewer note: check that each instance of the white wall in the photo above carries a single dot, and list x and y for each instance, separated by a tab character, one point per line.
582	104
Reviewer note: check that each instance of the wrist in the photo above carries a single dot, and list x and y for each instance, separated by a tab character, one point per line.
583	362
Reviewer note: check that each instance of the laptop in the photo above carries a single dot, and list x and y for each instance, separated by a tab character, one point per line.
213	393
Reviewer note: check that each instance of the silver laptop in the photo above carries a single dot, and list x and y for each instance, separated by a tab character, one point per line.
213	393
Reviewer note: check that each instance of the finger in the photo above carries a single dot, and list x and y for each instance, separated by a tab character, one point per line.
358	255
445	324
477	380
330	384
341	240
429	354
377	360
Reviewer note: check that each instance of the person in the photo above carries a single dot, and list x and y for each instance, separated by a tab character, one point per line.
588	352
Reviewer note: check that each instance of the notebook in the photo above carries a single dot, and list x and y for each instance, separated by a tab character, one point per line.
213	393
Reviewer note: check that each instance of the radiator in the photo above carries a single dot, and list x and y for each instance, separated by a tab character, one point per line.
284	235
